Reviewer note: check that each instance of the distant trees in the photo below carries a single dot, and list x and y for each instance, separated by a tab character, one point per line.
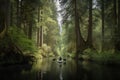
99	14
50	25
117	25
103	28
32	19
90	26
81	44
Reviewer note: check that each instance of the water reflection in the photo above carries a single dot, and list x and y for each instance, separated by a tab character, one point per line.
51	70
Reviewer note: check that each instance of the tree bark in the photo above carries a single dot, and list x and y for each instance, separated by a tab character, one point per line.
89	42
8	13
41	36
118	25
117	32
102	14
19	4
38	37
80	43
11	15
4	15
30	30
38	29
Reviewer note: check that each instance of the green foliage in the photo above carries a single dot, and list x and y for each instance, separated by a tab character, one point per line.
64	44
71	55
50	26
18	37
103	57
4	43
68	38
44	51
106	57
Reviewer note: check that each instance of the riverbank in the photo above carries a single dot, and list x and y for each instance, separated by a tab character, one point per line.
15	59
105	58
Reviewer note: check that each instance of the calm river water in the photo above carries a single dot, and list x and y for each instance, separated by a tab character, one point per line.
52	70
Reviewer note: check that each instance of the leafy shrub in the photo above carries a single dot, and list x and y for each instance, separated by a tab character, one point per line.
18	37
12	44
45	51
105	57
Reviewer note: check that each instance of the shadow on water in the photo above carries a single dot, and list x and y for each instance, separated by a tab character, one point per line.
47	69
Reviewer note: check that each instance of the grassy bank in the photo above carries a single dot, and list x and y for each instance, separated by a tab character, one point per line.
106	57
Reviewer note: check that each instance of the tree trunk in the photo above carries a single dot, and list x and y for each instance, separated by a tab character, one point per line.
25	27
8	13
11	15
30	30
89	38
117	32
39	31
102	13
41	36
118	25
19	13
38	37
115	23
2	17
80	43
76	31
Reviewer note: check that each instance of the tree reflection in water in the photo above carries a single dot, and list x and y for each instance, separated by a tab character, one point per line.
61	74
52	70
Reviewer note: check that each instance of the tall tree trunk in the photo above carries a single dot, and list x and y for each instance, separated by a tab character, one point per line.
41	36
3	16
38	29
102	14
19	13
76	31
118	25
11	15
8	13
89	37
117	33
25	28
80	43
38	37
115	23
41	29
30	30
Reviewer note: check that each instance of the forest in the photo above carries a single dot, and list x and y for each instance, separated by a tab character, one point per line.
79	29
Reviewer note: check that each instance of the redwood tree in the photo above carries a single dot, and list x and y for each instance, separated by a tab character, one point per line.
89	38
